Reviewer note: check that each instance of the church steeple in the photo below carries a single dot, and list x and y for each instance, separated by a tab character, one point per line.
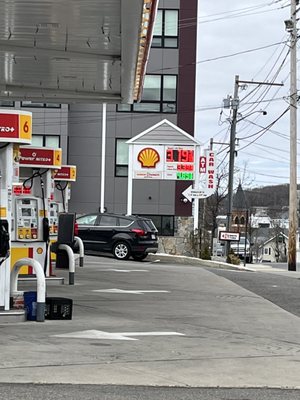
239	210
239	200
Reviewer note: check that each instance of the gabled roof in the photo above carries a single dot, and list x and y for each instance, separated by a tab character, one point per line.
272	238
164	132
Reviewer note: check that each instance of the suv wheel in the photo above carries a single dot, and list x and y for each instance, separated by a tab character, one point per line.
139	257
121	251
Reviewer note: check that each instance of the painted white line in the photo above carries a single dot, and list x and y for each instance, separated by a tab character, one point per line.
95	334
118	291
152	334
126	270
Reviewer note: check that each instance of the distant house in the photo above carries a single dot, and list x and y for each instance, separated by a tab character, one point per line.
260	221
275	249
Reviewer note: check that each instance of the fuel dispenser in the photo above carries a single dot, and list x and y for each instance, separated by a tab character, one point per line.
62	194
15	129
31	200
59	212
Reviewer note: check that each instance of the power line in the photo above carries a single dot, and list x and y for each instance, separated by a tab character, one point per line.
242	13
264	130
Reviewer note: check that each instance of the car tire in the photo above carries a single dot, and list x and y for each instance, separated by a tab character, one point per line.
139	257
121	251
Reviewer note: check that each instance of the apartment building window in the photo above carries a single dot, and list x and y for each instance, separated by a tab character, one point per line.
121	167
159	96
52	141
163	223
165	32
33	104
7	103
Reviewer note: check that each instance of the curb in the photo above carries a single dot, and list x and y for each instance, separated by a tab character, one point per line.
167	258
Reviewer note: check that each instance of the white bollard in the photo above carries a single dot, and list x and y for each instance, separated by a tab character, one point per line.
81	249
71	259
41	284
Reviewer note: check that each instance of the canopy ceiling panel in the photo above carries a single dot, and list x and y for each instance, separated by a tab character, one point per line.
74	50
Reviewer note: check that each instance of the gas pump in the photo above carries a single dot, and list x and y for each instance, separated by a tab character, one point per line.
31	199
15	129
62	181
62	194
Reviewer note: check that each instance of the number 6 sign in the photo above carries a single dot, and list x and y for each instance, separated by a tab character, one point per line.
25	126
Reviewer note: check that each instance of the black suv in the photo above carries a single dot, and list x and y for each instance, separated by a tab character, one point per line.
121	235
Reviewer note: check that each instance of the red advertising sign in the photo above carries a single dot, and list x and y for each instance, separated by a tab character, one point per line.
211	170
9	126
229	236
40	157
16	127
202	165
66	173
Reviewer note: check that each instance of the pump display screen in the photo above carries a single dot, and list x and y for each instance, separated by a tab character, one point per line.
26	212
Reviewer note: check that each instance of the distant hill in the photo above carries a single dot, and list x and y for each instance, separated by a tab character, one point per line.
273	197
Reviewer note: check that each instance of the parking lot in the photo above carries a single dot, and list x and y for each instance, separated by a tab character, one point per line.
153	323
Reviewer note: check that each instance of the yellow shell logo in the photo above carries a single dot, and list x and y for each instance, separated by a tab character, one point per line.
148	157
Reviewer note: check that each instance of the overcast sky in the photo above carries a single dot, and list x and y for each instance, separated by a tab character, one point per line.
239	27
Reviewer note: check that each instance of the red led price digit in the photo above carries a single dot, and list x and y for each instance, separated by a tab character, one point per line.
170	157
191	155
183	156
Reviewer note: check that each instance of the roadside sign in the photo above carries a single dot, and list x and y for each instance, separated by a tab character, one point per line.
191	193
229	236
202	165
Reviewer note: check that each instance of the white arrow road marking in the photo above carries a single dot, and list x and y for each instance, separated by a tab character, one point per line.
129	291
94	334
127	270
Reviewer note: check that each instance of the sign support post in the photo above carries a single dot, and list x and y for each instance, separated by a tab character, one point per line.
196	186
130	178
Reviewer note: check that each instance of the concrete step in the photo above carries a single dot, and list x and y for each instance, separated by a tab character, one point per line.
12	316
52	280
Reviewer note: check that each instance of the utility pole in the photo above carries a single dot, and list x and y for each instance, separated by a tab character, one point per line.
291	26
233	103
234	106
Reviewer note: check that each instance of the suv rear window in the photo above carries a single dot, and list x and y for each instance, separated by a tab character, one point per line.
147	224
87	220
108	220
124	221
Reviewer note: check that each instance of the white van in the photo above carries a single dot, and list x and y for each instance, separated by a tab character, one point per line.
239	249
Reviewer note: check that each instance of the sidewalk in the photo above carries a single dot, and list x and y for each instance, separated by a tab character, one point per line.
219	262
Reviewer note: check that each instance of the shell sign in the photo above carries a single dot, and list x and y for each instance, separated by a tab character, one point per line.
148	157
148	162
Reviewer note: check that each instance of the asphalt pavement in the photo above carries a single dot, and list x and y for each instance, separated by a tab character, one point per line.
162	324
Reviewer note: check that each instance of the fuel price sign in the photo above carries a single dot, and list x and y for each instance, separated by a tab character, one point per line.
179	163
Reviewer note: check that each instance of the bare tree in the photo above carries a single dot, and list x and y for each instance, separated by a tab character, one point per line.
213	205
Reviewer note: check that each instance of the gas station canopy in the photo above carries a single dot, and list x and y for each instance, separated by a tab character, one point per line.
68	51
